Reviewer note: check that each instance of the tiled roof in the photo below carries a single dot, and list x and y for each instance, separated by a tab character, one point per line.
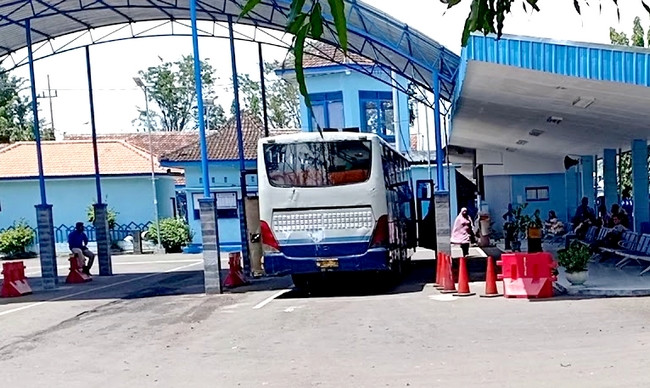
161	142
222	145
319	54
67	158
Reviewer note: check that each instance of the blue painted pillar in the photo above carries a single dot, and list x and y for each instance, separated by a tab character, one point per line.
440	158
44	217
640	182
207	206
587	176
102	232
572	192
240	143
609	177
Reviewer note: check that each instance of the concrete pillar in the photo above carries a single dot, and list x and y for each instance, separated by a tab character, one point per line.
209	234
588	181
640	182
103	239
609	176
443	223
137	242
47	246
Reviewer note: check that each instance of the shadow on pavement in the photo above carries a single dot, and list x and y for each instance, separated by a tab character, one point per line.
139	285
332	284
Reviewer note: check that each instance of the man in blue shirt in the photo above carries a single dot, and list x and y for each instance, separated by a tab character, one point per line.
78	241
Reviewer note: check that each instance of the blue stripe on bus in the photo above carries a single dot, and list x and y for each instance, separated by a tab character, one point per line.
326	240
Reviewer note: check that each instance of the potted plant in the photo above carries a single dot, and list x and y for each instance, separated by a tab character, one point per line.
519	226
574	259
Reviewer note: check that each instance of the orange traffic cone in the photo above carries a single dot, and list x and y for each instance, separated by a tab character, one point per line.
450	287
463	279
436	283
442	271
490	280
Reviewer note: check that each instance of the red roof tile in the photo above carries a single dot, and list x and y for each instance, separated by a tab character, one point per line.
67	158
161	142
319	54
222	145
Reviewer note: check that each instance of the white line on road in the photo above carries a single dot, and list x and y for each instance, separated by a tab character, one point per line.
93	289
270	298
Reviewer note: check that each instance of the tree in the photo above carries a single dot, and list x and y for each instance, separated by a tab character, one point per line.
638	38
171	85
16	120
486	16
281	98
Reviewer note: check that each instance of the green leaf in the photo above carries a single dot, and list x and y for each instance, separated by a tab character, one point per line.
296	9
533	3
297	23
337	8
250	4
576	5
316	21
298	51
452	3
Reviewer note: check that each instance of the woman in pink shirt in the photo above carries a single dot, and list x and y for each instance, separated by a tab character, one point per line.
463	231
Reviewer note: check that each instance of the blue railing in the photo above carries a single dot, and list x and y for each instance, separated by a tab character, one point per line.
118	233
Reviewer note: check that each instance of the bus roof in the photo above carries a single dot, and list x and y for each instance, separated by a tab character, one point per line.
316	136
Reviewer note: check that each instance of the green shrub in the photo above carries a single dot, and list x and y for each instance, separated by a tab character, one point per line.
575	258
16	239
111	215
174	234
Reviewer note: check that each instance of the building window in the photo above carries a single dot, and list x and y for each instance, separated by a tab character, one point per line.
377	114
327	109
537	193
226	204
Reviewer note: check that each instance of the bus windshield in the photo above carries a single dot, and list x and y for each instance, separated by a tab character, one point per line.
318	164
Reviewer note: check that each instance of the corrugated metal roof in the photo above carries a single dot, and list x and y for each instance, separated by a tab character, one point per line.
371	33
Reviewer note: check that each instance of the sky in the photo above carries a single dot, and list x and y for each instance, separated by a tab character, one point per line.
114	65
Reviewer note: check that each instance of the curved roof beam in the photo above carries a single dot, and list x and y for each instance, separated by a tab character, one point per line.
371	33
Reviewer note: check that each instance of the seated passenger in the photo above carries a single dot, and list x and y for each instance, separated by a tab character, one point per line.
553	225
78	241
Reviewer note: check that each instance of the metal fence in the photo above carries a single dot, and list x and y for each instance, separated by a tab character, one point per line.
118	233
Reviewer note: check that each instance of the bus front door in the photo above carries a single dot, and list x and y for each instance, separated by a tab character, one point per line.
426	214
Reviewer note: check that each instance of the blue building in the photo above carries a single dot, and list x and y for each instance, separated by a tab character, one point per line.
352	92
524	105
223	156
125	174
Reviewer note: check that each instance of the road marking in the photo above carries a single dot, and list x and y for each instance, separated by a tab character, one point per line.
38	272
270	298
291	309
443	297
93	289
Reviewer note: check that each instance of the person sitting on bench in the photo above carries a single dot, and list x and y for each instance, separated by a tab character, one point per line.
78	241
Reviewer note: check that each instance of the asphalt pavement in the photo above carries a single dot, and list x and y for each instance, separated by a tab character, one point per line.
150	325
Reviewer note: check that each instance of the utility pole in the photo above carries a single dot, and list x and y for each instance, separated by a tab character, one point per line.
50	96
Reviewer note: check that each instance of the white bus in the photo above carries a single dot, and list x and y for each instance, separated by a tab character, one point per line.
339	201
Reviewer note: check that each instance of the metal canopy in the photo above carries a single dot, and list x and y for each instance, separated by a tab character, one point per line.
372	33
551	99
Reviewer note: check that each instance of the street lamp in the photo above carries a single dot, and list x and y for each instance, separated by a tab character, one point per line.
142	86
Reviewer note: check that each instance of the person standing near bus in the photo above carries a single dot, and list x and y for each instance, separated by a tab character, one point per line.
463	231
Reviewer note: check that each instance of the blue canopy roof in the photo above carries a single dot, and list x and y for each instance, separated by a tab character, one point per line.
372	33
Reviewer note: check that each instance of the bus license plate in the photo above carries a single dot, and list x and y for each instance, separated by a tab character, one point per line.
327	263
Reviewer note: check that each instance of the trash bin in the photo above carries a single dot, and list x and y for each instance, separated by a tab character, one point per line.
484	222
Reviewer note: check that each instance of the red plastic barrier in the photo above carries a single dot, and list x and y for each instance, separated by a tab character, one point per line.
527	275
76	275
235	275
15	283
